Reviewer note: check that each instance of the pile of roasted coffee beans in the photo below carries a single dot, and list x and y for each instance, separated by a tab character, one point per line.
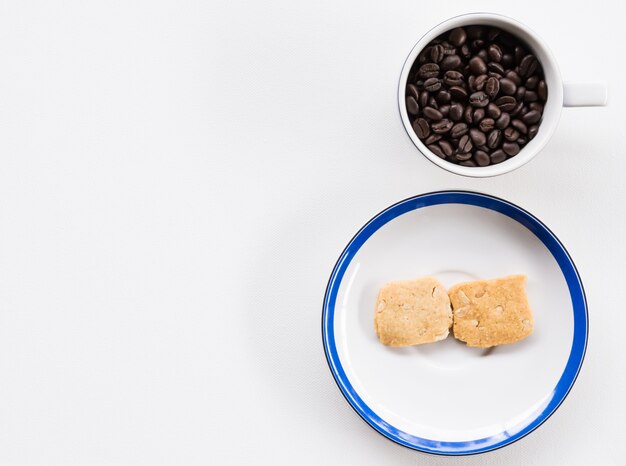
475	96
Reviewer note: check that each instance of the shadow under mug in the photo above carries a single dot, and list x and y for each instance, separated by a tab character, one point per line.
560	94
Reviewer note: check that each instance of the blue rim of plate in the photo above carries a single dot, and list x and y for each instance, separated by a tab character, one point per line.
579	305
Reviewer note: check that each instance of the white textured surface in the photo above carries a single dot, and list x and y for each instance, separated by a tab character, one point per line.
177	180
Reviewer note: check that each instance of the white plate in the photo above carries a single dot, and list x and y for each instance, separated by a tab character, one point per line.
445	397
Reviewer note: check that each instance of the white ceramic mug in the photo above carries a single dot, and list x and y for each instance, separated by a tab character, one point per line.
560	94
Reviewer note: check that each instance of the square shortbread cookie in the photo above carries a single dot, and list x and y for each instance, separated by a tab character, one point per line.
491	312
412	312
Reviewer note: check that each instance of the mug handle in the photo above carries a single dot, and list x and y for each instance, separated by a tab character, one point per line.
585	94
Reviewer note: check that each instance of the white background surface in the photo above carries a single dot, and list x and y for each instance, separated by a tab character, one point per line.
177	180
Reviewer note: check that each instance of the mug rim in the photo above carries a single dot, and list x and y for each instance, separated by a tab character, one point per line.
554	104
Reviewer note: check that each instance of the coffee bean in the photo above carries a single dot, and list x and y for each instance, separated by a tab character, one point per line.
443	97
463	156
477	66
496	68
495	53
428	70
506	103
520	126
479	82
536	106
513	76
494	139
486	125
436	53
497	156
453	78
493	110
511	134
531	83
519	94
503	121
479	99
432	102
478	137
475	32
467	163
457	37
481	158
492	87
531	117
511	148
442	126
530	96
468	115
458	130
437	151
424	97
444	109
432	113
532	131
465	144
433	138
411	106
507	86
421	128
465	51
413	91
519	54
482	54
456	112
508	60
542	90
528	65
477	45
458	93
518	109
446	147
451	62
432	84
522	141
478	115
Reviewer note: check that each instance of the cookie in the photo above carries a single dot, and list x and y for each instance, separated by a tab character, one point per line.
491	312
412	312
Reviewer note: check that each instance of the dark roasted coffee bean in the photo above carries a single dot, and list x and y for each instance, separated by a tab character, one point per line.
495	53
478	137
451	62
477	66
520	126
481	158
421	128
528	66
531	117
522	141
483	55
443	97
531	83
519	54
453	78
536	106
479	114
442	126
479	99
458	130
480	81
477	45
475	32
513	76
519	94
432	84
432	102
493	110
511	148
542	90
457	37
517	110
428	70
456	112
496	68
506	103
458	93
424	97
465	51
411	106
508	60
497	156
484	148
532	131
432	113
511	134
486	125
446	147
468	115
465	144
413	91
436	53
463	156
530	96
435	149
503	121
494	139
492	87
433	138
507	86
444	109
467	163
